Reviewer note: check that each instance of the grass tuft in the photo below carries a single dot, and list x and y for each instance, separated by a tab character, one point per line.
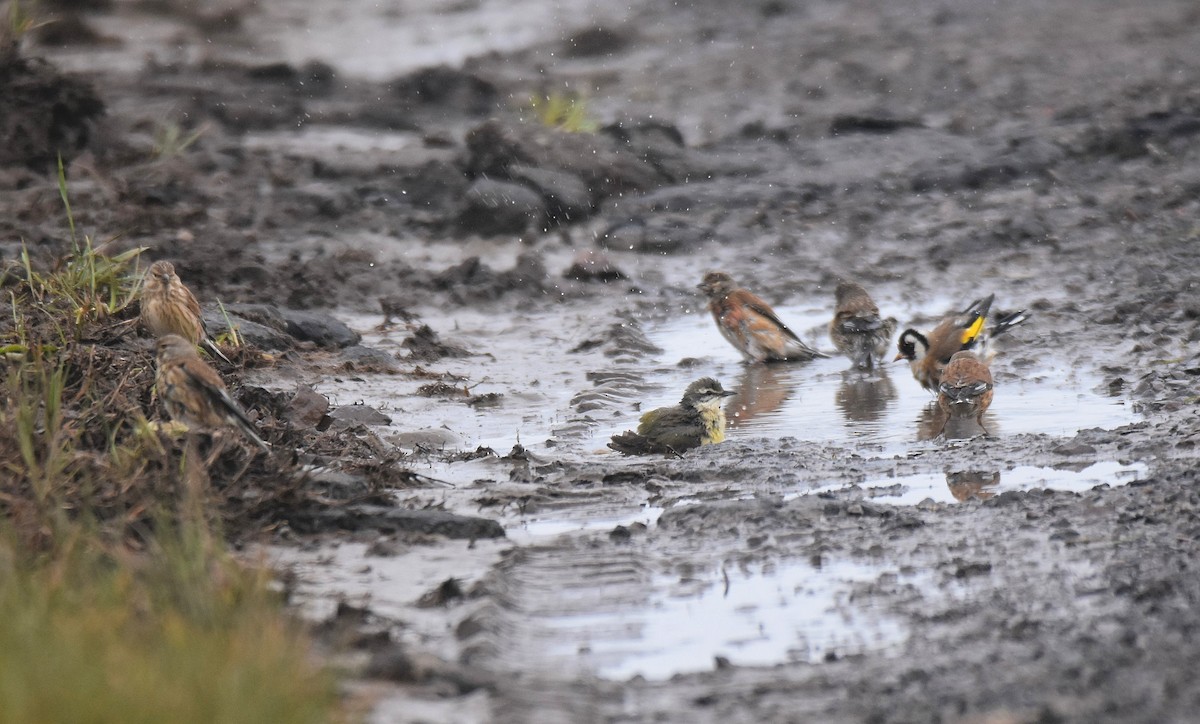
118	600
565	111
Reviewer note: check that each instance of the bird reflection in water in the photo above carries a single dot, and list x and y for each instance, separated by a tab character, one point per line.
864	398
761	390
933	421
967	484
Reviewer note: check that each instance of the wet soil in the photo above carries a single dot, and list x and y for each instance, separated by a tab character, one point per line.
510	295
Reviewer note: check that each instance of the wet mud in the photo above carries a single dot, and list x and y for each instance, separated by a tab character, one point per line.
459	305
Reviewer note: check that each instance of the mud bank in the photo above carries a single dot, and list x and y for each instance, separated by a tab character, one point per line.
513	294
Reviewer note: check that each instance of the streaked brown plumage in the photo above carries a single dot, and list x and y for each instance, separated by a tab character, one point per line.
750	324
857	330
965	390
168	307
193	392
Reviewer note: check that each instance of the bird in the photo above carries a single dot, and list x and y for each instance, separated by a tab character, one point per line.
928	353
750	324
857	330
966	388
168	307
193	392
697	420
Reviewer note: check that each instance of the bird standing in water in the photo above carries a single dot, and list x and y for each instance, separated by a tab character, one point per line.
697	420
928	353
857	330
168	307
750	324
966	388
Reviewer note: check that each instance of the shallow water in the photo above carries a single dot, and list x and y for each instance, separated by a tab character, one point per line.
822	401
757	617
960	485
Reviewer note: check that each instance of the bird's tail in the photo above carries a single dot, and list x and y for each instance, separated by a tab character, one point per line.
1007	322
211	346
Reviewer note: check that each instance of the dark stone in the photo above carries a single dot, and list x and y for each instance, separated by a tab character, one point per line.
593	42
368	359
566	195
252	333
592	266
264	314
359	414
426	346
447	87
322	329
500	207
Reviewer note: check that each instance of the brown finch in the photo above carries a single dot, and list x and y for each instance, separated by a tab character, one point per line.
750	324
168	307
966	388
857	330
193	393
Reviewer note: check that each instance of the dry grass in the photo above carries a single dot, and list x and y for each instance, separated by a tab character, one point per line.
118	601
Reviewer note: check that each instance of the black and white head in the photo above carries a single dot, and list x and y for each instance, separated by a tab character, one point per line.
704	392
913	346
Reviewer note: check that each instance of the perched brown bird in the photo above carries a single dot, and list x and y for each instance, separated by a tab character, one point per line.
929	353
193	392
697	420
857	330
168	307
750	324
966	388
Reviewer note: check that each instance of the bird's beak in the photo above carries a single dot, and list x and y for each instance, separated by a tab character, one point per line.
898	357
728	393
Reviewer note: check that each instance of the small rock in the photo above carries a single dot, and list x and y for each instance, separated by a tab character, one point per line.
500	207
566	195
264	314
252	333
322	329
446	592
369	359
307	407
593	266
359	414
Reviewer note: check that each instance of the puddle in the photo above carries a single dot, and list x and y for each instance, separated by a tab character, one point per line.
793	613
962	485
339	139
820	401
378	41
582	519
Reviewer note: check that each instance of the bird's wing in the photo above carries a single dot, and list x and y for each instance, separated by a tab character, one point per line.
206	380
760	307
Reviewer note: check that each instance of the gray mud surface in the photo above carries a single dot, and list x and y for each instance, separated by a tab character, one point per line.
510	295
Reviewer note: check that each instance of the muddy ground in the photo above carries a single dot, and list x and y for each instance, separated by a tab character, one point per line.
393	174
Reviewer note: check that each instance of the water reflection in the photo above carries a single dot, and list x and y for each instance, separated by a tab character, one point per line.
864	398
934	421
967	484
761	390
